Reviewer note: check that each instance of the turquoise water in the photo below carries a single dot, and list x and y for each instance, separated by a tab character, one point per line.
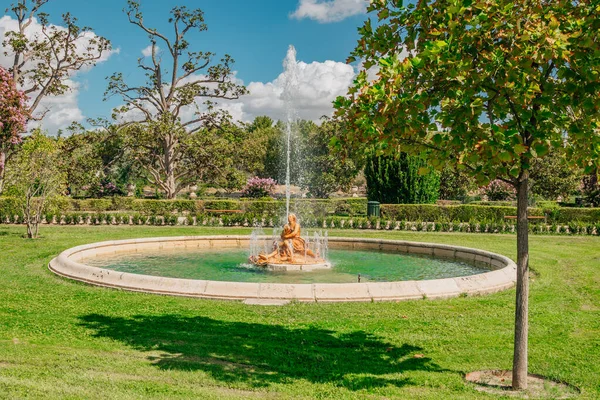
231	265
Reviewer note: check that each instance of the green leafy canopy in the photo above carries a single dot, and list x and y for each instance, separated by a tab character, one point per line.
485	85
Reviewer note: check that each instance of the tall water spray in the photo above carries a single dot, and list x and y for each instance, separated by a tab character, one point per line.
290	90
318	243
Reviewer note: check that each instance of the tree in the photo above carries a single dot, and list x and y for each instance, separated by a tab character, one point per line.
323	171
455	184
276	158
552	177
498	190
83	167
396	180
204	155
488	86
255	146
591	189
35	177
314	166
170	89
43	62
13	118
96	159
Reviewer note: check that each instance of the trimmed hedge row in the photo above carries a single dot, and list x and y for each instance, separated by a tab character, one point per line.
334	222
306	208
463	212
311	207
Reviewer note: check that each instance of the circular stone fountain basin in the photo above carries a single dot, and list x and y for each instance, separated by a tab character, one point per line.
500	271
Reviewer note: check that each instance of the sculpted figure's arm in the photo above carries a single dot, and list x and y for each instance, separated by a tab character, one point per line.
294	232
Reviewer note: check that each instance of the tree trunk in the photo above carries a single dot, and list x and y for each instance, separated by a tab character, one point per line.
170	167
171	185
519	378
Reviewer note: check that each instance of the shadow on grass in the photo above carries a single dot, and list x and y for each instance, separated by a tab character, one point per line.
262	354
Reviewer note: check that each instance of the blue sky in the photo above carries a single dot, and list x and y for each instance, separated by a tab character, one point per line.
255	33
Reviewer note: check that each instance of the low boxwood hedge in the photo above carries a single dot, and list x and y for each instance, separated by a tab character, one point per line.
308	209
319	223
463	212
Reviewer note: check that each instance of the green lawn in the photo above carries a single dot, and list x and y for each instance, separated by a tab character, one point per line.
62	339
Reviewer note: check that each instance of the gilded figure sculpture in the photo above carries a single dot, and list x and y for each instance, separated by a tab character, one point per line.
290	249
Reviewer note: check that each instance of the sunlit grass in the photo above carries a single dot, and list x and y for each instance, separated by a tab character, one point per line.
63	339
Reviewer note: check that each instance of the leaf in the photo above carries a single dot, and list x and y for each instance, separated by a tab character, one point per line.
416	62
541	149
423	170
589	169
515	171
505	157
478	102
520	148
334	142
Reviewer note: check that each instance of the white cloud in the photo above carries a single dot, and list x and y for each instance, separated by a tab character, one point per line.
329	11
319	83
63	109
147	52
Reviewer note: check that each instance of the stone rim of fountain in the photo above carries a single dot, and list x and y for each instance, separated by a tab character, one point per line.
501	277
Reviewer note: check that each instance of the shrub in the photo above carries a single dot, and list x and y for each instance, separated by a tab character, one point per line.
162	207
104	188
259	187
270	207
434	213
397	180
498	190
222	205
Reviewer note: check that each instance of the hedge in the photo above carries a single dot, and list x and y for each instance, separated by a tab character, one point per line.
257	220
309	207
305	208
462	213
139	205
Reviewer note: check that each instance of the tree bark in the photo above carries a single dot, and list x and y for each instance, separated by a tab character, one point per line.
519	378
171	185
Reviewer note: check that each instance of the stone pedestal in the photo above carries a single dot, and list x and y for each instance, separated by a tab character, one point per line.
298	267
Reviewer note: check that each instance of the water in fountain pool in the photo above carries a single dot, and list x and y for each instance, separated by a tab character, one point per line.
231	265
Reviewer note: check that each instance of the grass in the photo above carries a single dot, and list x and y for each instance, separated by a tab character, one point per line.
63	339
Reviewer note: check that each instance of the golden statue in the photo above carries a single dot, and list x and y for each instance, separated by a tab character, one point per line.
291	249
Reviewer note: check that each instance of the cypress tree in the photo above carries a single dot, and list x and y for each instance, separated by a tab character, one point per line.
396	180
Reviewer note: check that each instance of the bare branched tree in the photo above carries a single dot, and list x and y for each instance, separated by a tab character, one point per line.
176	79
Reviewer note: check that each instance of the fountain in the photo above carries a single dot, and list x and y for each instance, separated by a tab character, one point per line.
215	267
290	251
290	90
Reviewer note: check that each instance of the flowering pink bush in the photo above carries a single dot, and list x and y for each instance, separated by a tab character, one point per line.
498	190
13	112
259	187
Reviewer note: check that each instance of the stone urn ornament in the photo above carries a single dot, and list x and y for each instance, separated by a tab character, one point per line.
130	190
